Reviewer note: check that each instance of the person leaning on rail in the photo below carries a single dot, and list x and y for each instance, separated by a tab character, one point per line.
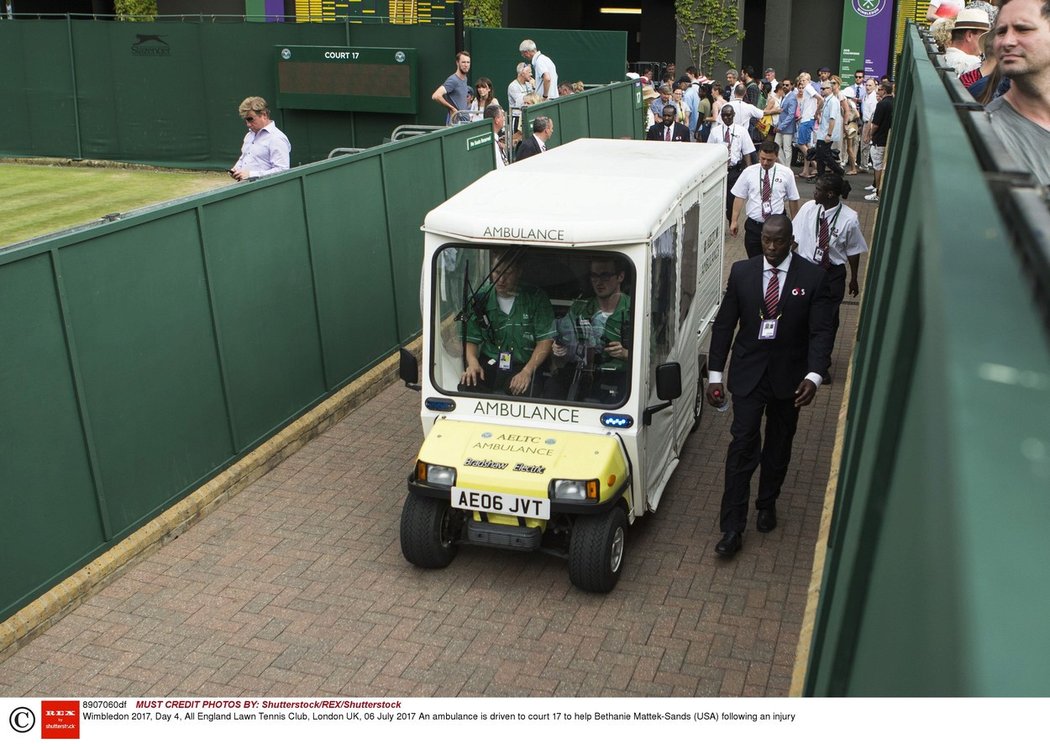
266	149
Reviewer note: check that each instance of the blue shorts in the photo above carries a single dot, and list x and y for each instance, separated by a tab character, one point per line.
805	133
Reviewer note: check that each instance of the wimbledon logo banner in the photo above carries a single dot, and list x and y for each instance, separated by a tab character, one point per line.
867	30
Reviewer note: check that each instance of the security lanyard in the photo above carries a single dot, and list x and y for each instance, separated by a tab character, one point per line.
831	227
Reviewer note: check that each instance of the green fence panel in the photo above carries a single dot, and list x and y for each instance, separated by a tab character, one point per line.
146	355
258	263
599	115
938	568
37	90
613	111
50	518
142	356
348	240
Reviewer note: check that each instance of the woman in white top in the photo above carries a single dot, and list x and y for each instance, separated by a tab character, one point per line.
482	98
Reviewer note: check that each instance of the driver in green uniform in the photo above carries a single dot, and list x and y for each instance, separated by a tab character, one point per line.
591	347
505	356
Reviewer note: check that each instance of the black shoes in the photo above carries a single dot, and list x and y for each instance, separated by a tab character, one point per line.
767	519
730	544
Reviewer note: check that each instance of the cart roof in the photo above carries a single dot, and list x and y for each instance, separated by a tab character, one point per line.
586	192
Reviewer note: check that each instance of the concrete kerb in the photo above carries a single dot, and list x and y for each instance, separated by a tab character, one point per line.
60	600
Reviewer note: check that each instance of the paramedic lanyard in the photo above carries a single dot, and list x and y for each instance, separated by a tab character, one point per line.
818	254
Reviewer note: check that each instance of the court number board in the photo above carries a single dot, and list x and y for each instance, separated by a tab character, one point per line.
374	79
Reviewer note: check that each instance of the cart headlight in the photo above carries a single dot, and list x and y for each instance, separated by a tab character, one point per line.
576	490
435	475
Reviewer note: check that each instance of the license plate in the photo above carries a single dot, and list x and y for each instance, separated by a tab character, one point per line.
500	503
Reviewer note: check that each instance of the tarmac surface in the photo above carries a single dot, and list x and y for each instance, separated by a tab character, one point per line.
296	586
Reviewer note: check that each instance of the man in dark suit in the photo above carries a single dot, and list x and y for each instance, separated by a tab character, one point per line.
542	129
668	130
782	349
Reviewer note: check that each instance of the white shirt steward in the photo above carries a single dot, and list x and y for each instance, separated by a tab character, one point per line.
265	152
844	227
781	180
749	187
739	145
846	242
541	63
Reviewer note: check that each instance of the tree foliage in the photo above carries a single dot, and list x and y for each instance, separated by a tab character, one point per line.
705	26
483	13
136	10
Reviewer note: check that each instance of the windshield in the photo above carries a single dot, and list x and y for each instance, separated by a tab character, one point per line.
533	323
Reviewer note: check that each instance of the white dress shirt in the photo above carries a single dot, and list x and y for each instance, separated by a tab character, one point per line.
846	238
782	188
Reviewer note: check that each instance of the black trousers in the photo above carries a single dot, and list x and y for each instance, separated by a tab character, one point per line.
826	159
753	237
837	287
747	451
731	177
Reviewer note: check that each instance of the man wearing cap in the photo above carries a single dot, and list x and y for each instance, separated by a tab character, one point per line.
657	106
963	52
1021	116
762	190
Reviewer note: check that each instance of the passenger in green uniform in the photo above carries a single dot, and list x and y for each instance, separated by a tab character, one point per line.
505	356
591	349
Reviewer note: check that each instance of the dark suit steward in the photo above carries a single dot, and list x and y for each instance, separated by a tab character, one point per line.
765	374
680	133
528	147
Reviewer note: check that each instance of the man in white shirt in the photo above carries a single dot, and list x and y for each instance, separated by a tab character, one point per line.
739	145
762	190
746	113
828	132
828	234
265	149
543	69
811	106
520	86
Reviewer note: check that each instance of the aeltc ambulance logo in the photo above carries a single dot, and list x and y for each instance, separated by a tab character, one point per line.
869	8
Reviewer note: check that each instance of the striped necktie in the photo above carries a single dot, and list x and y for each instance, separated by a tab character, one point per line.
824	243
772	294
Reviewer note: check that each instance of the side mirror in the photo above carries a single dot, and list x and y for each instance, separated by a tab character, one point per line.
668	387
669	381
408	369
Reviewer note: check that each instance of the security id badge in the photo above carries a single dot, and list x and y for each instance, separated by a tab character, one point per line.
504	361
767	330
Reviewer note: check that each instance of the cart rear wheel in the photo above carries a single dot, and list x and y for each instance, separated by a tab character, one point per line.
429	530
596	550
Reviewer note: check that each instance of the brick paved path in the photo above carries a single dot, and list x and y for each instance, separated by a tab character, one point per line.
297	587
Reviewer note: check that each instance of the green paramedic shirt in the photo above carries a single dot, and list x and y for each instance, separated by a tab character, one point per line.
531	319
605	330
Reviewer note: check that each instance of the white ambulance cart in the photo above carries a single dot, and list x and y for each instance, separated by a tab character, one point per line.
567	301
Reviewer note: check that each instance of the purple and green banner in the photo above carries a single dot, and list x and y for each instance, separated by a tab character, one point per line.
867	33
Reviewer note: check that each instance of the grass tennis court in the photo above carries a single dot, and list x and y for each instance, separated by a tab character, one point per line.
39	199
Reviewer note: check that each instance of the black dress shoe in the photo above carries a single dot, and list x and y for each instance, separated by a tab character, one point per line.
767	519
730	543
